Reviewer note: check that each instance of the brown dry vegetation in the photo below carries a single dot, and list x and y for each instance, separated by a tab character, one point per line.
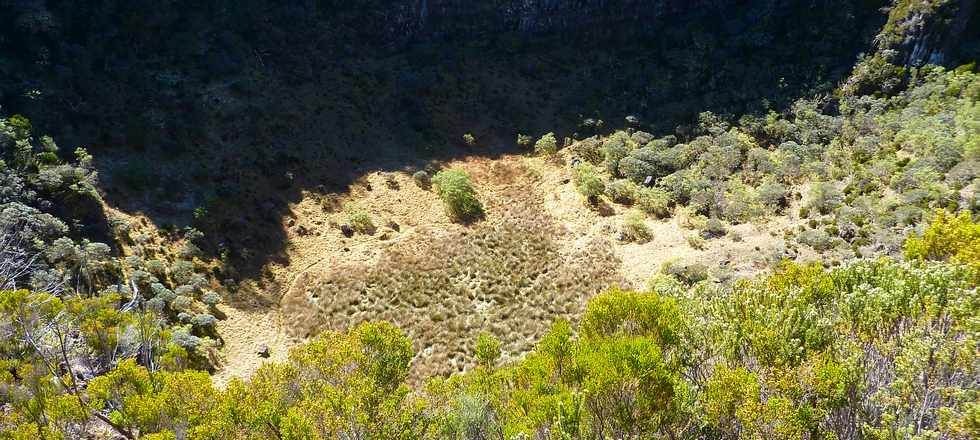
539	255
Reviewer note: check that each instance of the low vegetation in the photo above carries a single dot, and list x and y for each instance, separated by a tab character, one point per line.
876	348
109	325
458	194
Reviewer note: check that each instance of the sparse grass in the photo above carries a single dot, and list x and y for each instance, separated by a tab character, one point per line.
507	278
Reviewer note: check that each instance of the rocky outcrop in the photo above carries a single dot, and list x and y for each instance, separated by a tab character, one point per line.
922	33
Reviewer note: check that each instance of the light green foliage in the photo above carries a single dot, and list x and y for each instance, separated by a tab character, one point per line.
781	356
622	191
588	183
634	228
653	201
546	146
469	139
948	237
458	194
487	350
614	149
362	222
524	140
824	198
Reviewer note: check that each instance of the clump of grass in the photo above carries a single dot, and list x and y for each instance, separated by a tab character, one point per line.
635	230
458	194
422	179
696	242
688	273
362	222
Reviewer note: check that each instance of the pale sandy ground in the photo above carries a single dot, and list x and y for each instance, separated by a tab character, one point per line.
315	247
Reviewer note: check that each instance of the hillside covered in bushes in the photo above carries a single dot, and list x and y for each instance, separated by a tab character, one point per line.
506	220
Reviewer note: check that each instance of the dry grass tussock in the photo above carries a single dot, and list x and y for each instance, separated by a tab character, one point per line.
507	275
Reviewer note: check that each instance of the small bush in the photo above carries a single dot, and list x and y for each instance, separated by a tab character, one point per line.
772	195
653	201
623	191
458	194
362	222
589	150
211	298
469	139
487	350
824	198
635	230
588	183
713	228
696	241
524	140
741	203
688	273
546	146
614	149
818	239
422	179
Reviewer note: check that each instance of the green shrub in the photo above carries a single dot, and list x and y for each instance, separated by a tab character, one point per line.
713	228
635	229
741	203
362	222
589	150
487	350
773	196
623	191
653	201
818	239
696	241
638	170
422	179
949	237
524	140
458	194
688	273
824	197
614	149
588	183
469	139
546	146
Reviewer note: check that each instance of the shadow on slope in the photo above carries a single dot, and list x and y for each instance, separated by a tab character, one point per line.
224	128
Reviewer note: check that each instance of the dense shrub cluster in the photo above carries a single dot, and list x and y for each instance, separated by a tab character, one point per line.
864	175
50	212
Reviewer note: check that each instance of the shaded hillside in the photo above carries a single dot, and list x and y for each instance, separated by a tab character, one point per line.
244	106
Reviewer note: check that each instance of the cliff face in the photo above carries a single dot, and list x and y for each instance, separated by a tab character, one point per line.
428	19
931	32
